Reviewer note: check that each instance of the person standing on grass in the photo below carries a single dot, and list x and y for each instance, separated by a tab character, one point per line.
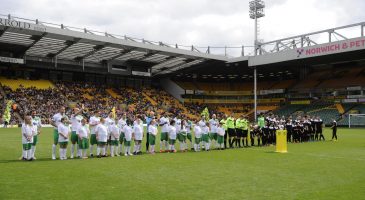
220	136
172	136
245	126
231	130
138	136
75	123
182	136
152	133
188	125
56	120
334	130
93	123
83	133
28	132
64	132
121	123
114	137
164	123
224	126
37	123
213	123
128	132
197	138
101	133
149	117
319	128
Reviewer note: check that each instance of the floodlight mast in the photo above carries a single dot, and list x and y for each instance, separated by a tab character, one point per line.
256	11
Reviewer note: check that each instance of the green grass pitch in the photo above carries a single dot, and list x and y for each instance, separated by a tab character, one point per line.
318	170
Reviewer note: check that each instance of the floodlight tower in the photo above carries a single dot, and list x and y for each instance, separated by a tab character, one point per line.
256	12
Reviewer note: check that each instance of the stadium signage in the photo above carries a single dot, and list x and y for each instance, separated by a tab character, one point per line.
21	25
332	48
308	52
11	60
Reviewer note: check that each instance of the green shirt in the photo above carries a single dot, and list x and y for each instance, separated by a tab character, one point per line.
224	124
230	122
261	122
244	124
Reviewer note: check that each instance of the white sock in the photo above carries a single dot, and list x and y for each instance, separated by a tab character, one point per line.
125	150
72	150
103	151
54	151
112	151
25	154
166	145
85	152
120	148
33	150
195	147
129	150
61	153
152	149
79	152
207	147
161	145
98	151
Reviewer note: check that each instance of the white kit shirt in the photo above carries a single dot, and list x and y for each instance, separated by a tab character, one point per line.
94	121
57	119
102	131
75	122
172	133
138	131
213	125
197	131
177	124
27	131
220	131
65	130
83	131
127	130
114	132
152	130
165	124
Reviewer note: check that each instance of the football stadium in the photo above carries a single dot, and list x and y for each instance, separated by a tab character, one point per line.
90	114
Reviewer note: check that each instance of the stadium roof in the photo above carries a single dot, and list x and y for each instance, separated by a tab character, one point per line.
36	40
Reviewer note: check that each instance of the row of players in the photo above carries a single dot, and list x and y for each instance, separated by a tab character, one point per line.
109	134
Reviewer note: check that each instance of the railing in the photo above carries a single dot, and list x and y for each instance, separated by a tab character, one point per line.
228	51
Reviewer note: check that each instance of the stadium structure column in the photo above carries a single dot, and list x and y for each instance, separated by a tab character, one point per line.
256	11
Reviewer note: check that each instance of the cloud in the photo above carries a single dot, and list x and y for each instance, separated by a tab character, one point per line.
198	22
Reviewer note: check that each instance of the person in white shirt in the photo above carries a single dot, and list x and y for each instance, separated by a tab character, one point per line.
93	122
138	136
172	136
197	139
37	123
152	133
220	136
164	123
56	120
64	132
75	123
213	123
28	132
205	136
101	132
121	123
128	132
114	137
109	122
83	133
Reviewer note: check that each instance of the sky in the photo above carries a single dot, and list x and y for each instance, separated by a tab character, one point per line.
192	22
